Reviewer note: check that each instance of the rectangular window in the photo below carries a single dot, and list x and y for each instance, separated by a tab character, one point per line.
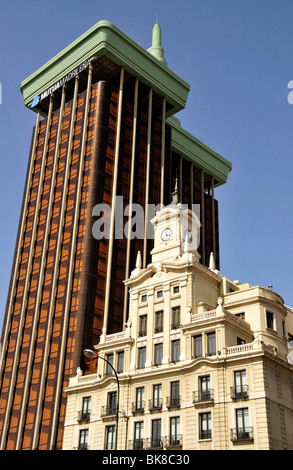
157	396
138	435
283	328
240	383
175	394
270	320
120	364
205	390
211	343
205	426
141	357
159	321
158	354
175	431
139	402
83	439
159	294
175	350
144	298
112	403
86	408
175	318
176	290
142	327
242	423
110	437
110	359
197	346
156	433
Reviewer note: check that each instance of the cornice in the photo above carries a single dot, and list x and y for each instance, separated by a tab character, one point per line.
105	39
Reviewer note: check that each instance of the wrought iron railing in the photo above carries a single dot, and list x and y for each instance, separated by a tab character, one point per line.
155	405
242	434
203	395
137	406
173	401
240	391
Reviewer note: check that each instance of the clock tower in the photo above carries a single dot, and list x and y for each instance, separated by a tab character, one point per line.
176	231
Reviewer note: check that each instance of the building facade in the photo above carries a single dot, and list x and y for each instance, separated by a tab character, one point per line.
105	127
202	363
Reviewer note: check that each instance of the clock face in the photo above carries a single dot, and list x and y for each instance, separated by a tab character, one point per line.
189	236
166	234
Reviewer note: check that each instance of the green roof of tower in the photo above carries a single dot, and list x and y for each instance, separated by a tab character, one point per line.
105	39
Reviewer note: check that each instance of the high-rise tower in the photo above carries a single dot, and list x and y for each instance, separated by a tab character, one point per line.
104	128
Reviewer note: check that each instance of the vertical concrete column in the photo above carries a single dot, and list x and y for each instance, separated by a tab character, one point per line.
202	217
214	220
163	144
147	180
114	192
133	148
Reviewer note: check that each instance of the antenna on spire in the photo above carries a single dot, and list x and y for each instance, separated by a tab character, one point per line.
157	16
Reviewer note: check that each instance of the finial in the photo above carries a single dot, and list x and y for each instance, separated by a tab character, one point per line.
212	264
138	260
156	50
175	192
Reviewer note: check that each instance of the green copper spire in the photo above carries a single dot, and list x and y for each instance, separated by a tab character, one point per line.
156	50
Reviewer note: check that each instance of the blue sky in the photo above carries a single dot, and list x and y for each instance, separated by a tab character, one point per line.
238	58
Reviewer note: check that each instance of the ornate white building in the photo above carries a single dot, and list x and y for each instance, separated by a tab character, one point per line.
201	364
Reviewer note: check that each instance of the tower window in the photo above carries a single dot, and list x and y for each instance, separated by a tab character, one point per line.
270	320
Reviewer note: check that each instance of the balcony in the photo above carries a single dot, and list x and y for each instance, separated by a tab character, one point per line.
239	392
242	434
203	396
109	410
173	401
137	444
82	446
173	441
155	405
137	407
83	416
154	443
205	434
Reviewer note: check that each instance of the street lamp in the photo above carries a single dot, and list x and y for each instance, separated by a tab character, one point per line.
90	353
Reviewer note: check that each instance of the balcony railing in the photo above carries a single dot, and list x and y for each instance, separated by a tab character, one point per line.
205	434
108	410
84	415
173	402
239	392
154	443
137	407
203	395
137	444
242	434
83	446
155	405
173	441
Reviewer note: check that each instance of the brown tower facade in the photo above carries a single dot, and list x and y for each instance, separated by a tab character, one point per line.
102	133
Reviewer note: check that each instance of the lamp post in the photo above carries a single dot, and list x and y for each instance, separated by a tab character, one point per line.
90	353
